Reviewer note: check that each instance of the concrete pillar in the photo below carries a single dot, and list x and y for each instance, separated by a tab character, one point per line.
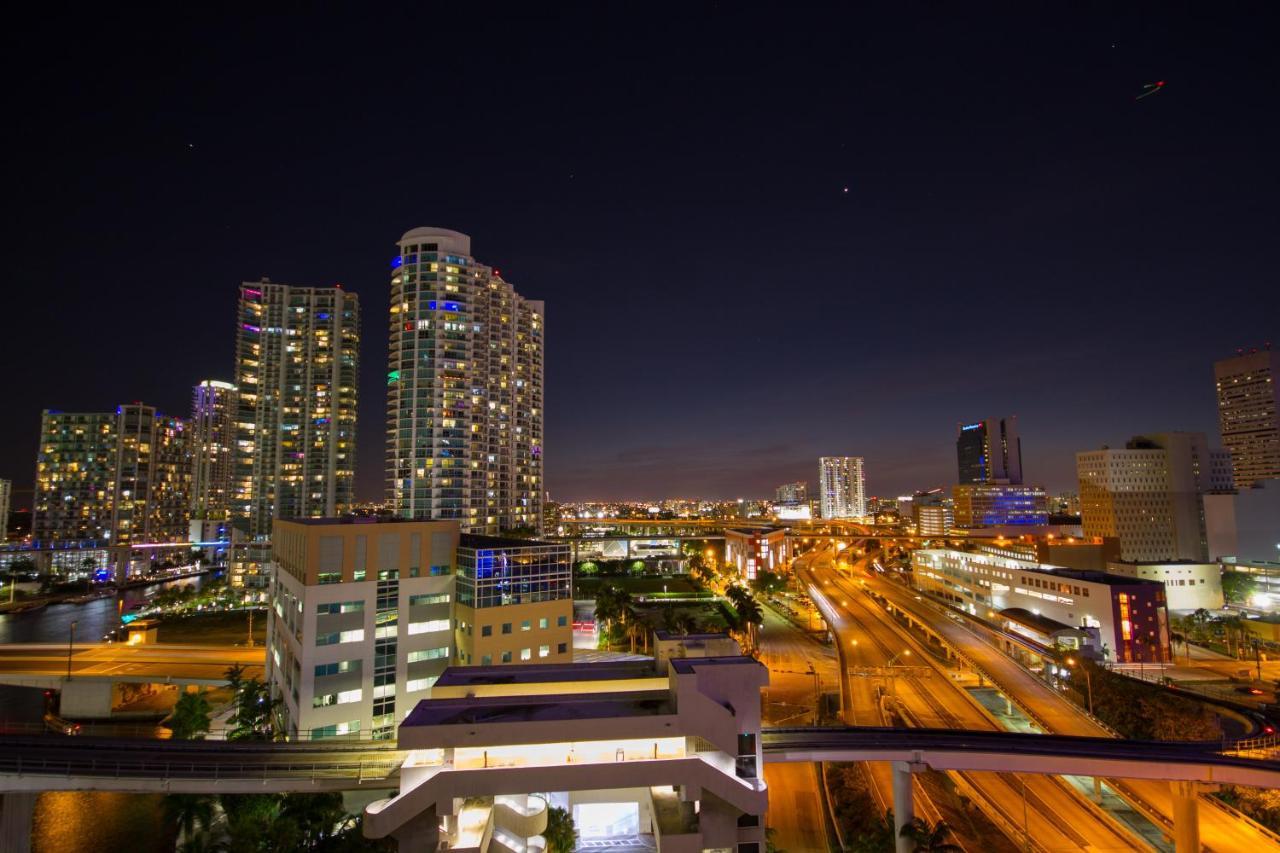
419	833
904	810
1097	789
1186	817
16	810
86	700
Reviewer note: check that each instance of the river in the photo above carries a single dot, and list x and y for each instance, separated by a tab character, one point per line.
75	821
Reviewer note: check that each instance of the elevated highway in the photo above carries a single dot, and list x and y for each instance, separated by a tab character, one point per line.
45	664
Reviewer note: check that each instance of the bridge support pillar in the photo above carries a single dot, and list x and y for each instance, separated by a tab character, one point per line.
1186	817
904	808
16	810
1097	789
86	700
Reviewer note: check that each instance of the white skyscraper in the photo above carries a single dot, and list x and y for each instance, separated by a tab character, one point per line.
464	389
842	487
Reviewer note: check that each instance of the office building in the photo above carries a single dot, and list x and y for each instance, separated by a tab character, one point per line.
464	389
366	612
1109	616
1188	587
1249	414
989	451
514	601
6	495
214	407
118	478
297	360
751	550
361	621
641	758
932	513
1151	495
842	487
978	505
792	493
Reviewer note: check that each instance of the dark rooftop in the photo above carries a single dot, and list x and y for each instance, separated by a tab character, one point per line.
676	635
478	542
1035	620
1094	576
466	676
687	665
473	710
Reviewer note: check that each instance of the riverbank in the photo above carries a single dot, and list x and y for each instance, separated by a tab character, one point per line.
221	628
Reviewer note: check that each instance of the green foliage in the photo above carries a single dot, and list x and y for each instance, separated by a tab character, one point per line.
1238	587
188	813
864	828
1141	711
768	583
255	714
930	838
190	717
561	835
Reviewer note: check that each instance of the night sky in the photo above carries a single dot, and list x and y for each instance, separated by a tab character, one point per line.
762	235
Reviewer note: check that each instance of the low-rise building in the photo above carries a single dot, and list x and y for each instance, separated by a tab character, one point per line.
752	550
1126	614
642	758
514	601
1188	587
367	612
999	505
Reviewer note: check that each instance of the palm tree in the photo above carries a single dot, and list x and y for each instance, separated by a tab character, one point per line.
613	605
752	617
1178	639
190	717
189	813
930	838
561	835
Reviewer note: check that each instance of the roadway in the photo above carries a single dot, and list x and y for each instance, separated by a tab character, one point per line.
796	813
1028	807
1220	829
30	663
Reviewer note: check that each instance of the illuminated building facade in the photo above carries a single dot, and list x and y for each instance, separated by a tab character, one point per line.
464	389
122	477
751	550
6	495
360	622
792	493
75	477
998	504
1126	616
642	758
1249	414
297	360
514	601
842	487
933	519
213	444
989	451
152	500
1151	495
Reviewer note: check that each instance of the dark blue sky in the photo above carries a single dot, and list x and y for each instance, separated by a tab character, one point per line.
1019	236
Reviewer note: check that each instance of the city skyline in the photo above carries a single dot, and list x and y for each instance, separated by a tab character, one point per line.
1061	147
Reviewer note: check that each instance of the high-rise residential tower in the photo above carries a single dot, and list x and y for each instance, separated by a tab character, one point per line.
990	451
1151	495
464	389
152	500
118	477
842	487
792	493
297	364
1249	414
213	445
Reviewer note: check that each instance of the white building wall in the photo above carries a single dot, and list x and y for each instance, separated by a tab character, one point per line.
1187	586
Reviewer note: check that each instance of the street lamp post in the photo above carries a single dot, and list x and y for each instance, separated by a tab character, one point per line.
71	642
1088	681
888	676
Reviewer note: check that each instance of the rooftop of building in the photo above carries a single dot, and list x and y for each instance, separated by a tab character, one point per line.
760	530
676	635
1035	620
361	519
476	710
542	673
1094	576
478	542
